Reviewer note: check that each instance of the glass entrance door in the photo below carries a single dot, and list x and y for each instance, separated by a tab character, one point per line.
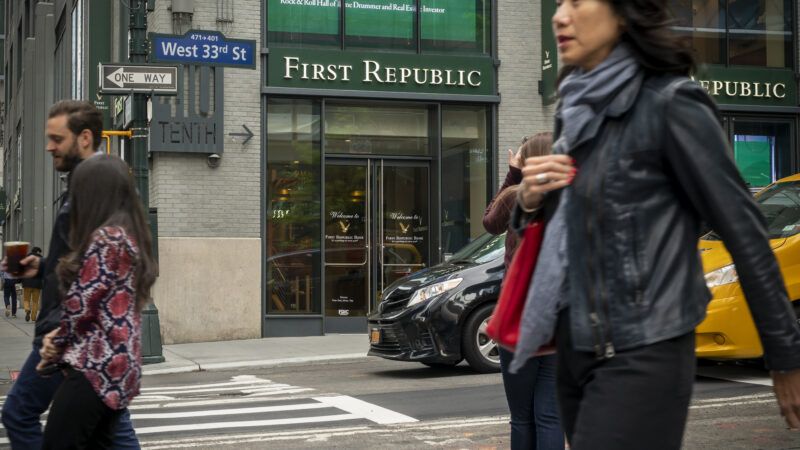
377	230
763	149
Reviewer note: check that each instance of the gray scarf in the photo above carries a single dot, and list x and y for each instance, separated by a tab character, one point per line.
584	98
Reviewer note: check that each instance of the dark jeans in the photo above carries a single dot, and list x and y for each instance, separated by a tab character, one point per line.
637	399
10	293
30	397
531	395
78	418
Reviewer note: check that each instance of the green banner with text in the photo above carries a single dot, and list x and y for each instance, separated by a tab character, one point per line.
450	20
746	86
99	51
549	54
390	72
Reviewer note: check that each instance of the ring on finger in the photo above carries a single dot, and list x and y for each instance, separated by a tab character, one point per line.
541	178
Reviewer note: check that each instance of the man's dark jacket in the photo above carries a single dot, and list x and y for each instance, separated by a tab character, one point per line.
32	283
50	313
650	169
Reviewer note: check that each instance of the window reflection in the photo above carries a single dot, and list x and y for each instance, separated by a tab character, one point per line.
377	129
293	209
738	32
760	32
465	174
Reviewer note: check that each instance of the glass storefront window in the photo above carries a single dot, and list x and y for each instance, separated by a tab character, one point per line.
457	26
466	167
293	206
704	22
451	26
306	24
381	24
377	129
738	32
762	150
760	32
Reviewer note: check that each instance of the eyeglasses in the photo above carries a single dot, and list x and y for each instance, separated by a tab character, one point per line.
524	139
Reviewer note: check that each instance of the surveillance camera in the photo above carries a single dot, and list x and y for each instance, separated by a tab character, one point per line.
213	160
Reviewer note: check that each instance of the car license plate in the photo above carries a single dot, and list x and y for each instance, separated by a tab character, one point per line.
375	336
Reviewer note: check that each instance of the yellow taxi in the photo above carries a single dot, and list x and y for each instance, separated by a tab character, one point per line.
728	331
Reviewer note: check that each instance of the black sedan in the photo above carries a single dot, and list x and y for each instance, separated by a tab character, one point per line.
438	316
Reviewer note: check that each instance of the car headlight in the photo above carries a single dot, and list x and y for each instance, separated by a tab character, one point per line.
723	275
433	290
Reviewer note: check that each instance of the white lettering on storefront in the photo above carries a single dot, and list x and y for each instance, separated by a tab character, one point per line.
374	72
745	89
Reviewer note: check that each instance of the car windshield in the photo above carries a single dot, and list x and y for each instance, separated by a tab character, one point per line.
780	204
484	248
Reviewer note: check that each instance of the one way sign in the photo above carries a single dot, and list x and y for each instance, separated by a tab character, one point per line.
140	78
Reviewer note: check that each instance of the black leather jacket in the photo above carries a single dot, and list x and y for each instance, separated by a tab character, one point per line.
650	169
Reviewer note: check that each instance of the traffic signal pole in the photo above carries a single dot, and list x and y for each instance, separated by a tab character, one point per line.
138	51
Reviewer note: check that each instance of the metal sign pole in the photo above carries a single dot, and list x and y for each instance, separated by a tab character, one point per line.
151	328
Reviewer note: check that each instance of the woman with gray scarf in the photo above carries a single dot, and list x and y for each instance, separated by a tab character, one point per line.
640	160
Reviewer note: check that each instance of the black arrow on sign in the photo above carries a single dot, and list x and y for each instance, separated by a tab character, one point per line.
247	136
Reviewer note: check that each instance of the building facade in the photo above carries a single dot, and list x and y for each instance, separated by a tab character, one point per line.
47	57
750	55
362	144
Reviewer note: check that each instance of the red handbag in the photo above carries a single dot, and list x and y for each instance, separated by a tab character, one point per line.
503	326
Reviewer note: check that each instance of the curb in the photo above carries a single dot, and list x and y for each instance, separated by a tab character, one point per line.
192	366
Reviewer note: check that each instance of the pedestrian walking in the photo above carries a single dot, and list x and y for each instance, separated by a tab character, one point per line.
73	135
31	291
107	278
640	159
10	294
531	392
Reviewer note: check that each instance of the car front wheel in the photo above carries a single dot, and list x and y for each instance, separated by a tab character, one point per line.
480	351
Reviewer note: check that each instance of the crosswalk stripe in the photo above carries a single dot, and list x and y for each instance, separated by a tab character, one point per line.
229	412
366	410
318	434
238	380
229	389
245	424
179	403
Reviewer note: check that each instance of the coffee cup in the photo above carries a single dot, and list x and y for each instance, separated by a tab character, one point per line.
16	251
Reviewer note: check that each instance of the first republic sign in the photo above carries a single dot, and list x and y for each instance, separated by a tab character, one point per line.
138	78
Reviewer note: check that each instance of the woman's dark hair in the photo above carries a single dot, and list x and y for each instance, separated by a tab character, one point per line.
648	30
102	194
540	144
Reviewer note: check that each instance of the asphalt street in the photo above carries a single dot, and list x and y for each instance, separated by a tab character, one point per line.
376	403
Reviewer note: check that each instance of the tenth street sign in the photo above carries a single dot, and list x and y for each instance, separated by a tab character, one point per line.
138	78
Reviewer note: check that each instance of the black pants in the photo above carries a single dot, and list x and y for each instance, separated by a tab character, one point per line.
637	399
78	419
10	293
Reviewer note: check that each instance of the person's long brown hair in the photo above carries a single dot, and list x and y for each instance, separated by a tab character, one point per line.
540	144
101	193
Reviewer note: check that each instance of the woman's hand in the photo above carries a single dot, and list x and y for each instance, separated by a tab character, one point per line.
50	352
542	174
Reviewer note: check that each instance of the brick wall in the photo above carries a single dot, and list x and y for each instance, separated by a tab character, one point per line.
521	111
194	200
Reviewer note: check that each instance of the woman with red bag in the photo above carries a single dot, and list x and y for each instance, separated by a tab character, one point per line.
640	161
531	392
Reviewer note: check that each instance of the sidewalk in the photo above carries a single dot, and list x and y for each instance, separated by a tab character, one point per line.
16	336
